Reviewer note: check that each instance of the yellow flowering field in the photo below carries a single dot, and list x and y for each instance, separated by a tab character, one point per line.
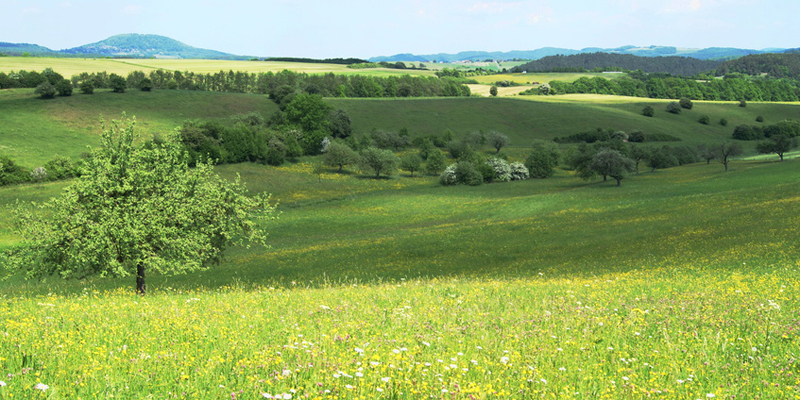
682	333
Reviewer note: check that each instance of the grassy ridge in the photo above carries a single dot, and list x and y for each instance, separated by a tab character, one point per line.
34	130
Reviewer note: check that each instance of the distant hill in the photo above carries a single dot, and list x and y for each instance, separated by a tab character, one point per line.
711	53
130	45
18	49
146	46
674	65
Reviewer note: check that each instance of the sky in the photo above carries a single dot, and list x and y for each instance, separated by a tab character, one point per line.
363	29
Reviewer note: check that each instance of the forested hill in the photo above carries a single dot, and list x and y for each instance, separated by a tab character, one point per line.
786	65
146	46
683	66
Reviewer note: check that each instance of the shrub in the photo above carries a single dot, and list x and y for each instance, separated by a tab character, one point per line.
759	119
60	167
541	162
685	103
723	122
704	119
435	163
146	85
64	88
45	90
87	87
674	108
467	174
742	103
747	132
448	176
519	172
501	169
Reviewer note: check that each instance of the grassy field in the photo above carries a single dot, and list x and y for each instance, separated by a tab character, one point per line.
74	66
683	283
680	284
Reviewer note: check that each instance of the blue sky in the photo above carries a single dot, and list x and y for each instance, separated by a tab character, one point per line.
320	29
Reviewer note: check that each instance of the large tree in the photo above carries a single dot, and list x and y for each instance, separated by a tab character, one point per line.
379	161
137	208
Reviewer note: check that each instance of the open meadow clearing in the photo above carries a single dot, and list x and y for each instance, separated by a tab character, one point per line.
683	283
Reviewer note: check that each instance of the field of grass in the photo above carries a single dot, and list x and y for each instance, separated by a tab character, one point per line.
680	284
74	66
683	283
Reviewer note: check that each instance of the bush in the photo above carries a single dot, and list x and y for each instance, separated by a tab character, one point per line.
723	122
742	103
146	85
648	111
87	87
64	88
11	173
45	90
117	83
60	167
448	176
519	172
541	162
674	108
685	103
747	132
759	119
501	169
704	119
467	174
435	163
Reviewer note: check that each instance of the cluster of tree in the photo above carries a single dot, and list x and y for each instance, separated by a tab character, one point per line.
786	128
58	168
607	135
382	64
728	89
783	65
683	66
297	129
616	159
284	83
339	61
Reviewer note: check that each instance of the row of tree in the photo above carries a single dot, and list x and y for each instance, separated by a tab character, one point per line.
728	89
674	65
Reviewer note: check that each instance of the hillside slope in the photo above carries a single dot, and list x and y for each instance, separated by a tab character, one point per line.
146	46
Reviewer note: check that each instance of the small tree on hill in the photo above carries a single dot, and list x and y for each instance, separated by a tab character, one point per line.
339	155
87	87
542	160
778	144
146	85
497	140
379	161
704	119
411	162
685	103
674	108
608	162
493	91
436	162
726	150
137	209
648	111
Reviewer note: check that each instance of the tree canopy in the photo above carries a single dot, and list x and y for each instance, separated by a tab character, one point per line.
137	208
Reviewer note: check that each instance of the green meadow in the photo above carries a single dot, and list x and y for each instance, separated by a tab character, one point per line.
681	284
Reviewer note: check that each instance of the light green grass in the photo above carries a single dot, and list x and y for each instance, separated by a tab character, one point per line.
681	284
73	66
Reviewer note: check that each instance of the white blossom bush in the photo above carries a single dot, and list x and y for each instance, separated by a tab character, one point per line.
502	170
449	177
519	172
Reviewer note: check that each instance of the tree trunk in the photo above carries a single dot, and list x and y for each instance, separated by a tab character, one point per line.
140	286
619	181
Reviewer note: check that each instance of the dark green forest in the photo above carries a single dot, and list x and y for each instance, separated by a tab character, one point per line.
682	66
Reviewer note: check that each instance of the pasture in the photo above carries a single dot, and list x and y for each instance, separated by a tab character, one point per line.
682	283
123	66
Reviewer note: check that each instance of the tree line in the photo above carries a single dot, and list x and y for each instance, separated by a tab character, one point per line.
638	84
599	62
271	83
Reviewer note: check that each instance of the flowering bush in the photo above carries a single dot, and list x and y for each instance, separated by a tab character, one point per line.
519	172
502	170
448	176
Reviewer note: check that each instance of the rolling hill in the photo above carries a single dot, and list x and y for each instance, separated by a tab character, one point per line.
130	45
